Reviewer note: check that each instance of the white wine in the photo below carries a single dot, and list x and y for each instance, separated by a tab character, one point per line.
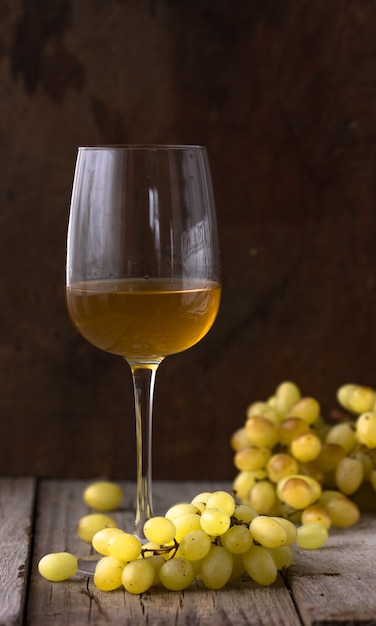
142	319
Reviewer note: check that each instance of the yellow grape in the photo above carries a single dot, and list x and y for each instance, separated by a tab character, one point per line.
138	576
306	408
244	513
58	566
194	545
366	429
289	528
179	509
290	428
217	567
311	536
356	398
215	521
103	495
221	500
342	434
329	456
159	530
306	447
260	565
262	497
251	458
286	395
261	431
240	439
343	511
283	556
295	491
108	573
185	523
90	524
349	475
237	539
281	465
177	574
268	532
317	514
100	539
124	546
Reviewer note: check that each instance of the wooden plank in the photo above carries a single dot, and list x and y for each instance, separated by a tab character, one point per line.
78	601
336	584
16	516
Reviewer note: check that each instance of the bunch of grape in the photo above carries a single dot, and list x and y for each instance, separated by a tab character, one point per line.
293	463
213	538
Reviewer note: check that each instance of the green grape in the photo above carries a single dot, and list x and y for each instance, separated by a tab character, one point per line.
262	497
356	398
201	497
262	431
307	409
103	495
185	523
182	508
240	439
159	530
244	513
215	521
221	500
281	465
138	576
306	447
343	511
342	434
108	573
251	458
286	395
58	566
329	456
217	567
177	574
366	429
316	514
349	475
194	545
260	565
100	539
283	556
289	527
295	491
124	546
290	428
268	532
237	539
311	536
244	482
90	524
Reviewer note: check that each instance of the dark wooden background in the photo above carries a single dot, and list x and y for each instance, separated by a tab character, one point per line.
283	94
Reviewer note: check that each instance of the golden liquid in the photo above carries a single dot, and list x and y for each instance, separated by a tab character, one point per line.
143	319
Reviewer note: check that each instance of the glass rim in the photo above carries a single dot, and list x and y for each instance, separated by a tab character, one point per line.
140	146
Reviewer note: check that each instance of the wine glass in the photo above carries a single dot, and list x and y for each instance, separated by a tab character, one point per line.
143	266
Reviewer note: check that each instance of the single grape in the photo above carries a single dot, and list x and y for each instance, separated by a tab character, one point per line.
306	447
251	458
217	567
311	536
221	500
260	565
103	495
138	576
240	439
356	398
295	491
90	524
244	481
238	539
268	532
306	408
349	475
194	545
343	511
244	513
215	521
289	528
124	546
262	497
108	573
201	497
366	429
177	574
58	566
317	514
261	431
159	530
342	434
281	465
182	508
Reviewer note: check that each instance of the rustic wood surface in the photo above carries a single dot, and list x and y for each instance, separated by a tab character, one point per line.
283	94
328	587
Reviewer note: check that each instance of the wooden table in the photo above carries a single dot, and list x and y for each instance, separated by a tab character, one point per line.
332	586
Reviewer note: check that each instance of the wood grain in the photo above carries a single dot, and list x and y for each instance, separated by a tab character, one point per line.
17	497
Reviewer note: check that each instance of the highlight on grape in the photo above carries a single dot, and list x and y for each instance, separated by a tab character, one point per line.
298	474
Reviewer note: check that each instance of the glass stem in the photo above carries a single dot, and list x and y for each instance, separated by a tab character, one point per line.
143	377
